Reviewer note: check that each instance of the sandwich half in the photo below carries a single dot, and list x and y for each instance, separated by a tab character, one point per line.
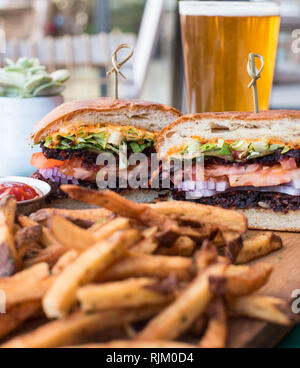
73	135
249	162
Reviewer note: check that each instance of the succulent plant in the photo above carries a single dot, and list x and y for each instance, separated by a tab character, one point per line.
28	78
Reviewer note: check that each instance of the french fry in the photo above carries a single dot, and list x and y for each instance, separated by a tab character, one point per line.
15	317
146	265
234	244
206	256
49	255
70	235
47	239
18	293
9	260
79	326
241	280
183	247
216	333
200	214
91	215
258	246
83	270
123	294
137	345
112	227
185	310
37	272
146	246
265	308
168	229
26	239
64	261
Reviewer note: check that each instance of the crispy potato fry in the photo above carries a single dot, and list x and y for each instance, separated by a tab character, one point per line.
28	290
234	244
70	235
185	310
265	308
183	247
216	333
149	244
112	227
241	280
91	215
200	214
84	269
27	239
37	272
47	239
123	294
9	260
146	265
49	255
15	317
206	256
137	345
64	261
77	327
168	229
258	246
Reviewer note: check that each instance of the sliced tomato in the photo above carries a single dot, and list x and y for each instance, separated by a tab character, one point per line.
223	170
264	178
40	161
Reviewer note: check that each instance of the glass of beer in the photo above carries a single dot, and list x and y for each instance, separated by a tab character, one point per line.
217	40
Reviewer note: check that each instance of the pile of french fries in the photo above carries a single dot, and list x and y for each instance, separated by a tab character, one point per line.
130	275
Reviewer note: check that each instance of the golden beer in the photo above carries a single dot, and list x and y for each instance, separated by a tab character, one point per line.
217	39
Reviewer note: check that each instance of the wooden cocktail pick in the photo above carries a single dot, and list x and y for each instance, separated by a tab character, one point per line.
117	65
255	74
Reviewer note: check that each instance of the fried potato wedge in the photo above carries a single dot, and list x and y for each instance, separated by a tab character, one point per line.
258	246
70	235
15	317
168	229
216	333
130	293
9	260
48	255
78	327
146	265
180	315
62	295
234	244
241	280
183	247
64	261
111	227
93	216
225	220
265	308
47	239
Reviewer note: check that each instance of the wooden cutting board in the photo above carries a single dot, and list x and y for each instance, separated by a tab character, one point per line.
285	278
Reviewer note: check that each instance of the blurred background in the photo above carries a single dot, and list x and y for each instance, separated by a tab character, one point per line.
81	34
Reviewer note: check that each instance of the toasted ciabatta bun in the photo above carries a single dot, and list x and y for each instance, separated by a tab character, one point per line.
260	219
141	114
281	126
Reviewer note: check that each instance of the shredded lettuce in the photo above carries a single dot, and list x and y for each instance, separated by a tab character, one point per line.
240	150
93	141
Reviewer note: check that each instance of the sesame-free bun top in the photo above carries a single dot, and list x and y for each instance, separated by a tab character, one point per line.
141	114
280	126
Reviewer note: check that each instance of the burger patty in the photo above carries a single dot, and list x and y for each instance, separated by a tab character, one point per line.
247	200
88	158
268	160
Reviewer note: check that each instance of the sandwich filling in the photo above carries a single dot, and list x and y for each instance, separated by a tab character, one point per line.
70	155
243	174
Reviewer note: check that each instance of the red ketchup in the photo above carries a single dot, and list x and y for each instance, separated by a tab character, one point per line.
21	192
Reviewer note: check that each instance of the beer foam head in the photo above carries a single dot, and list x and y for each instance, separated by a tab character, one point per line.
229	8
